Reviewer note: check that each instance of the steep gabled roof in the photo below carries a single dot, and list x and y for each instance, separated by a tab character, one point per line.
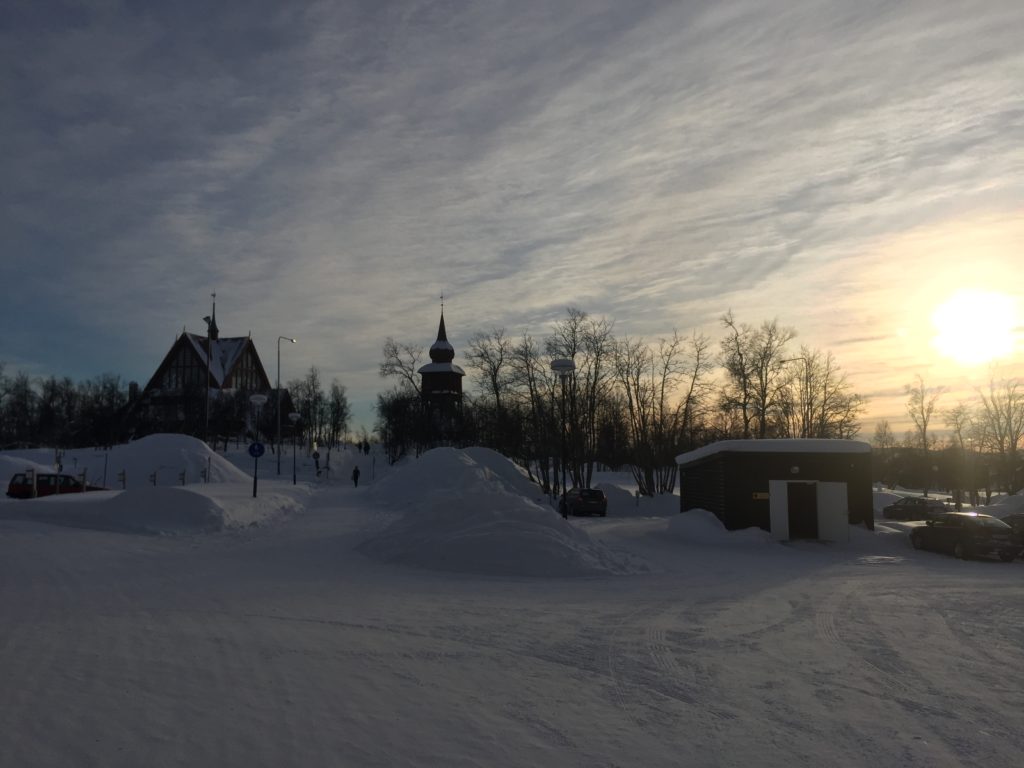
224	354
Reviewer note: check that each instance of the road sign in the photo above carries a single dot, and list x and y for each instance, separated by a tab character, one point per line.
256	450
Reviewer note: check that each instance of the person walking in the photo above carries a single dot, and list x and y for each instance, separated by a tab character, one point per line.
355	476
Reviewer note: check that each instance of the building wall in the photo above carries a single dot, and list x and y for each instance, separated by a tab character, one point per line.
735	485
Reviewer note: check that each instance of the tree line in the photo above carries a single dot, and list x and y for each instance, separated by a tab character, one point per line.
59	412
982	449
629	402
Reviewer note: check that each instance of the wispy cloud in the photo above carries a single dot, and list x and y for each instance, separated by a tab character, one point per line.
330	169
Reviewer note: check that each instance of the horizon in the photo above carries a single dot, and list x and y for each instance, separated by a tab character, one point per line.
330	171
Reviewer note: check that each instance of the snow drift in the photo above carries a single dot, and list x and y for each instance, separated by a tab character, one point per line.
474	510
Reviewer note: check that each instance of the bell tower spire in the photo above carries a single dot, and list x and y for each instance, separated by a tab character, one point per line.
214	332
441	351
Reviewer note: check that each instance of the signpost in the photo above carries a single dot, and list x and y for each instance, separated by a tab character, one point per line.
255	450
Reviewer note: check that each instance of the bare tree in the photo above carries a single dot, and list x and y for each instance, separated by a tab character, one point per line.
818	400
1001	419
402	361
885	444
699	366
338	412
489	354
921	402
650	383
958	420
769	379
590	343
754	364
737	359
533	383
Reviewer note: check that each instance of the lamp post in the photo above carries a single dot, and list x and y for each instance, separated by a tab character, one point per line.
279	340
258	401
294	417
563	367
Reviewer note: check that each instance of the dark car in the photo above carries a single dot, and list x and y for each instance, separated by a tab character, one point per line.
967	535
584	501
1016	521
47	484
913	508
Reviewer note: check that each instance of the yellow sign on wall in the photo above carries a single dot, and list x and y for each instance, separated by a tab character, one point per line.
760	495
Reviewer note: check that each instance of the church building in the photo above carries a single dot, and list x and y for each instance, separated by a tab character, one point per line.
226	370
441	391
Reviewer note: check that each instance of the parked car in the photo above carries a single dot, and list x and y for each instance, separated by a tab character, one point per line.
913	508
47	484
1016	521
966	535
584	501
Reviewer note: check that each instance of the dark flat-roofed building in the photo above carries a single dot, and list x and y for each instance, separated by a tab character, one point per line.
793	488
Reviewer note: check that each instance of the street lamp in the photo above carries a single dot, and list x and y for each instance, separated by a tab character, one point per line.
258	401
294	417
563	367
279	340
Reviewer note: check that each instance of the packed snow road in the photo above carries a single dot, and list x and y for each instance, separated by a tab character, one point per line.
285	645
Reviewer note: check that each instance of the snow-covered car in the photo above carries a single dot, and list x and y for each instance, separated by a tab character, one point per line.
913	508
966	535
46	484
584	501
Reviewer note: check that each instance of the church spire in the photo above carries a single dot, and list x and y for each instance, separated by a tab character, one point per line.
441	351
211	321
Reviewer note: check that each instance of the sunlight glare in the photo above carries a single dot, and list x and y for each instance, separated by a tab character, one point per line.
974	327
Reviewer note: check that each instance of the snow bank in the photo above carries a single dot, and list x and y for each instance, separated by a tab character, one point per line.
11	464
475	511
698	526
167	455
158	510
225	502
1002	506
624	503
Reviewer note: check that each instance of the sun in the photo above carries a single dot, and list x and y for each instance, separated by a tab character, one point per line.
974	327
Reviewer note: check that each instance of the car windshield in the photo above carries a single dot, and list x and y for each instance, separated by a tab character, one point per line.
591	494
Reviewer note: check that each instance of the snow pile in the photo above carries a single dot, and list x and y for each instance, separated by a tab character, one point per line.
624	503
1002	506
158	510
167	508
474	511
698	526
165	455
448	471
11	464
881	499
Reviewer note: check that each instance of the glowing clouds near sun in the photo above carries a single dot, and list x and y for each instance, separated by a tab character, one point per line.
974	327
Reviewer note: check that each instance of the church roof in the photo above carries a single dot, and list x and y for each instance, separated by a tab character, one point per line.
441	351
441	354
224	354
442	368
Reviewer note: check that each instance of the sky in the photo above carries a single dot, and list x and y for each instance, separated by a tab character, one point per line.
443	613
330	170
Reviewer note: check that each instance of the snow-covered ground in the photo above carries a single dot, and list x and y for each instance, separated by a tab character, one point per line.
442	614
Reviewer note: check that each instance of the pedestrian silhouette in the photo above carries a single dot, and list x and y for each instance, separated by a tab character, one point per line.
355	477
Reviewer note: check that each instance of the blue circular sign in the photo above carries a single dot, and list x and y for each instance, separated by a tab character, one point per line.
256	450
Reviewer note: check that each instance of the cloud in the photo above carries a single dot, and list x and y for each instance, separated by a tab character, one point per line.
330	169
